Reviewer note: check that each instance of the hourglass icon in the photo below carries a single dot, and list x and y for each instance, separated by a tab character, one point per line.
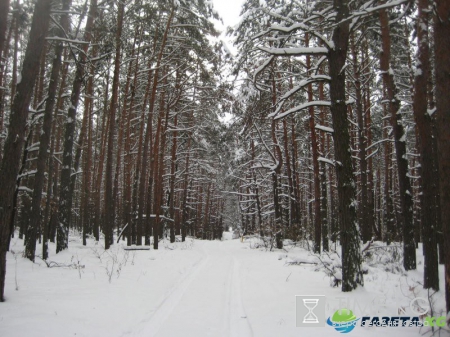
310	304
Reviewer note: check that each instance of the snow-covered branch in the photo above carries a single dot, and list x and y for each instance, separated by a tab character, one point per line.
301	107
299	51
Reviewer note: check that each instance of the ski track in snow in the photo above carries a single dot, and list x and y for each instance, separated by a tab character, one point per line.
224	312
239	323
150	326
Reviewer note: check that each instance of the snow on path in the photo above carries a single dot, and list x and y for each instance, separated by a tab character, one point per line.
198	288
206	303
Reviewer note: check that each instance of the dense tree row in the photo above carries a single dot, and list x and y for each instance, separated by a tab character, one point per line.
111	124
342	138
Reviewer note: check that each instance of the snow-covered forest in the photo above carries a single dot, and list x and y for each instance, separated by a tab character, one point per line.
318	142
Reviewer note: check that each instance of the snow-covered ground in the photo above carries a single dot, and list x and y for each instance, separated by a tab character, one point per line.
196	288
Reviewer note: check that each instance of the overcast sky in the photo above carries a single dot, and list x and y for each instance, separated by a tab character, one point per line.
229	10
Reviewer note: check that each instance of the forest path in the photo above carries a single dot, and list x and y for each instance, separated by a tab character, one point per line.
205	302
196	288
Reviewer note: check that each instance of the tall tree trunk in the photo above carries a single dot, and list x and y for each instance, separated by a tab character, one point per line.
256	188
368	143
409	247
51	217
323	178
278	230
366	230
442	74
289	173
16	132
109	218
148	132
388	209
172	180
44	139
122	202
295	175
4	47
315	160
87	159
4	10
100	161
425	144
65	196
158	167
17	13
184	209
139	176
127	202
52	176
349	233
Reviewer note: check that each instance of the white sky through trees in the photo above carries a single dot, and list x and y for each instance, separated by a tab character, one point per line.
228	10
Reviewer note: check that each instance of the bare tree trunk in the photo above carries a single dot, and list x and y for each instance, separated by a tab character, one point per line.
295	175
364	216
139	176
256	188
368	143
19	113
44	139
315	160
207	212
442	74
50	218
425	144
172	180
15	51
289	173
123	202
87	160
158	164
127	202
276	172
184	209
150	116
323	178
409	247
4	47
100	161
388	209
109	218
65	197
52	175
349	234
4	10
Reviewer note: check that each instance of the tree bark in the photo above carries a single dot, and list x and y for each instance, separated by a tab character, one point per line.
4	10
17	128
366	230
349	233
442	74
65	197
425	146
44	139
405	191
172	180
108	224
